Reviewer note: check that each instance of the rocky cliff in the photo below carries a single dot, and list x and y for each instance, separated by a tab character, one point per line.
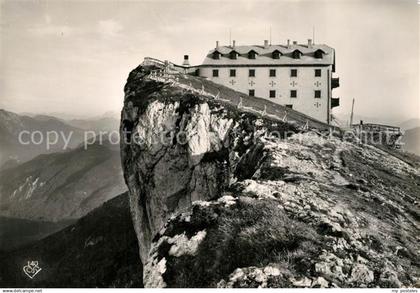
223	196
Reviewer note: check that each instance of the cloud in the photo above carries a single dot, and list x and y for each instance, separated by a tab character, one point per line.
109	27
52	30
105	28
47	19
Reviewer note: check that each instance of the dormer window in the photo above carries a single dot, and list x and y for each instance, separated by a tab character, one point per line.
233	55
216	55
252	54
296	54
276	54
319	54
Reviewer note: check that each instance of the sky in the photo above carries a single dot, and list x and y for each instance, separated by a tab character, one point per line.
73	57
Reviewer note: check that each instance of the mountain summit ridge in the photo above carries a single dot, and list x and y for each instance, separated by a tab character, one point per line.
217	200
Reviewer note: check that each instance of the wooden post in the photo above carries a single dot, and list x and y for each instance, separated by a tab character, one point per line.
284	119
264	112
240	103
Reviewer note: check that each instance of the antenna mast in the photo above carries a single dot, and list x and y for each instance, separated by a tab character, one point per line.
270	35
351	115
230	37
313	34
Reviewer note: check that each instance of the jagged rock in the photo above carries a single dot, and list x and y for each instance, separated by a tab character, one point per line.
188	180
303	282
215	199
159	126
320	282
389	279
330	266
252	277
247	277
153	272
361	275
181	245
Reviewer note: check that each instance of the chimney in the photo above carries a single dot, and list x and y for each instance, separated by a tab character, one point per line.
186	61
309	43
288	43
265	43
217	44
294	42
233	44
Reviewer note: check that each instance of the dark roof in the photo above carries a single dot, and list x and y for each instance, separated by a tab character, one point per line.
265	55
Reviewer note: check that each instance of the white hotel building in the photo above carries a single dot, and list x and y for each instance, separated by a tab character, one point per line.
295	75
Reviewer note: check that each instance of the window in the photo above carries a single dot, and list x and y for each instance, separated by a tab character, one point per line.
293	93
289	106
317	94
317	72
233	55
215	72
319	54
252	73
216	55
296	54
232	73
272	72
251	93
293	72
276	55
272	93
252	54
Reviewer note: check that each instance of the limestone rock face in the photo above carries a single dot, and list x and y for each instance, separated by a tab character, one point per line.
177	148
217	202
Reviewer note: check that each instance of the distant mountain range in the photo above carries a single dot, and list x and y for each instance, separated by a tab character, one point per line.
411	140
99	250
71	116
61	186
344	119
410	127
43	190
410	124
12	152
12	124
96	124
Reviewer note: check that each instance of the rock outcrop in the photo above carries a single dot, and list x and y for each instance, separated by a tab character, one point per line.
222	197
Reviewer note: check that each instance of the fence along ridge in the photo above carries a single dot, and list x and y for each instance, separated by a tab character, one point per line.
161	76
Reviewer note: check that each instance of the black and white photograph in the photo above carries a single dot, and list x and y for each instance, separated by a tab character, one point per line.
210	144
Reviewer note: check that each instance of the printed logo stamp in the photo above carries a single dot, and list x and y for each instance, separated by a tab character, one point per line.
31	269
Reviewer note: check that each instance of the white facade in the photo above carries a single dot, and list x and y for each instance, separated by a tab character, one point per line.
271	78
